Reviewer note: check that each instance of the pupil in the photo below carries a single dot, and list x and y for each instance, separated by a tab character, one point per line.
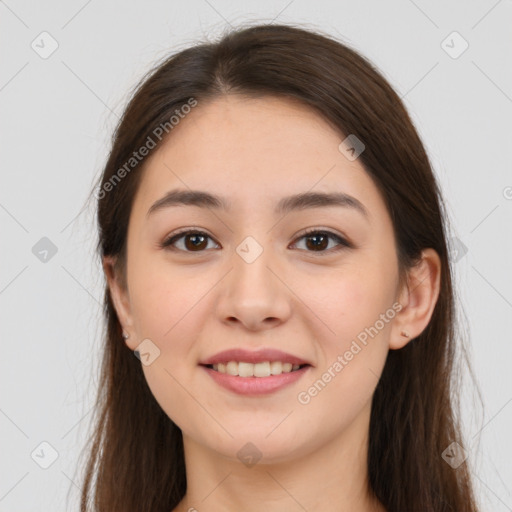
318	244
196	237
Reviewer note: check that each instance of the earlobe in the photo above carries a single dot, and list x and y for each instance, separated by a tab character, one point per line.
119	295
418	299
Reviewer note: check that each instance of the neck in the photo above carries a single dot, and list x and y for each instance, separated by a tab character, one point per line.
332	478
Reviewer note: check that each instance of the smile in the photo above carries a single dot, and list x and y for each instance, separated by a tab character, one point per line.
245	382
263	369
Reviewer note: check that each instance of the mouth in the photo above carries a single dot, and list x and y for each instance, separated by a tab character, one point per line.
255	379
258	370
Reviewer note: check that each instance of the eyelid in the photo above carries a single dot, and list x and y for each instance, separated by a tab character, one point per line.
340	239
173	237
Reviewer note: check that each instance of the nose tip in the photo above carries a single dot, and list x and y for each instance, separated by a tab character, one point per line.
253	296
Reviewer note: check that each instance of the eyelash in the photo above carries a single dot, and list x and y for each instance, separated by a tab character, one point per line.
167	243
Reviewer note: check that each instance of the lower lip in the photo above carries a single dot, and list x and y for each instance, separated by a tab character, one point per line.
255	385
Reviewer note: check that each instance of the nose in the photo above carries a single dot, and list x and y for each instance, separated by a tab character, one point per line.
254	294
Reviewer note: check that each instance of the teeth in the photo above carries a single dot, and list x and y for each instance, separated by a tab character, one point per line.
264	369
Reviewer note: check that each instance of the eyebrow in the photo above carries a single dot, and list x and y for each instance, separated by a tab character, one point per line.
300	201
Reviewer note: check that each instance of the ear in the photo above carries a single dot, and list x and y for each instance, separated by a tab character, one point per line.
418	298
120	298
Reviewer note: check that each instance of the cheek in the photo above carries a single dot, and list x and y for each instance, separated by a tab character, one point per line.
348	301
166	308
357	307
163	298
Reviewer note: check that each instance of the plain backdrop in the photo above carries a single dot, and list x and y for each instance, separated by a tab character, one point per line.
66	72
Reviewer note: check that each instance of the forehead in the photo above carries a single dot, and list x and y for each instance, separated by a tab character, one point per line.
254	151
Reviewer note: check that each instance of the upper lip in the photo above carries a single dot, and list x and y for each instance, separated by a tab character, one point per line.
249	356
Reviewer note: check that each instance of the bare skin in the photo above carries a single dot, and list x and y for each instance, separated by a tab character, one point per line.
313	303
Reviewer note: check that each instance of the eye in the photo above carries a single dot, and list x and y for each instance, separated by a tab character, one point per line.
319	241
194	241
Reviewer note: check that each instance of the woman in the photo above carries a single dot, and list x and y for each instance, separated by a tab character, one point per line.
274	246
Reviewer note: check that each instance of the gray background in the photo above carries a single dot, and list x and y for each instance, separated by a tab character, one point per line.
58	113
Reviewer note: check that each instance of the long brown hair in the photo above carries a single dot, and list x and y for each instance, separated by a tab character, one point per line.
135	453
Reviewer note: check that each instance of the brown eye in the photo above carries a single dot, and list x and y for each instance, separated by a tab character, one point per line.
197	241
318	241
193	241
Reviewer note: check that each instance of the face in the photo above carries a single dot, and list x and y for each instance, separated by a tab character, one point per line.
249	276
